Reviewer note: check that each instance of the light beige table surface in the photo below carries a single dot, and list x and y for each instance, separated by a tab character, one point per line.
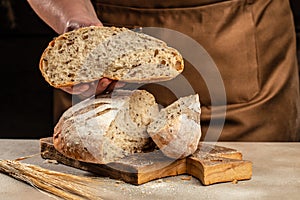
276	175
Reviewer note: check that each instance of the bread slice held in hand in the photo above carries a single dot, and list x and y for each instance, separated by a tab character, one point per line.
107	128
176	129
91	53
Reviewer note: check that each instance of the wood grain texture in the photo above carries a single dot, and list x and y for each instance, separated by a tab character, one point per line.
210	170
210	164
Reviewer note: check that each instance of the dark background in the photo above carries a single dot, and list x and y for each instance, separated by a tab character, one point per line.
295	5
26	98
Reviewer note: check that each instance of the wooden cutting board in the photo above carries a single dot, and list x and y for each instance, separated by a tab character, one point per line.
210	164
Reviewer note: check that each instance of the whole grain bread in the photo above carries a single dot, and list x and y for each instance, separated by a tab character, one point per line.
94	52
176	129
106	128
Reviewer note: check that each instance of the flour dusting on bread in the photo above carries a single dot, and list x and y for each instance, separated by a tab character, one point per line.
105	129
176	130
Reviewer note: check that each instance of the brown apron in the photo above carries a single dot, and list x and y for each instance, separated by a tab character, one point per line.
252	42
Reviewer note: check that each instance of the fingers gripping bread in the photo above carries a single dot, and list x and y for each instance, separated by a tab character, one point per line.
176	129
91	53
105	129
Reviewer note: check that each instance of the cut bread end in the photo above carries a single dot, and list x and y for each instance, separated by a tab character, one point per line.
176	130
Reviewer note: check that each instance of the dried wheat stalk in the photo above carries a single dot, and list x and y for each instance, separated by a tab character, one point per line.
63	185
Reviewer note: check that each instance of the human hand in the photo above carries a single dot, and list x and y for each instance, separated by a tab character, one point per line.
103	85
95	87
81	21
76	21
65	15
85	90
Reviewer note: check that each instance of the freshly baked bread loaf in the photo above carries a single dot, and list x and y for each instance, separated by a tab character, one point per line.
91	53
176	129
106	128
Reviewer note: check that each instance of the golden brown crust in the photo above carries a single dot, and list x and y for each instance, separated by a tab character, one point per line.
106	129
70	149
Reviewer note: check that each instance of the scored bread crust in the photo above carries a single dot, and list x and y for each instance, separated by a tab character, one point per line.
95	52
104	129
176	129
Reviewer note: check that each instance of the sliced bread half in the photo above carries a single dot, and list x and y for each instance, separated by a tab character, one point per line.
94	52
